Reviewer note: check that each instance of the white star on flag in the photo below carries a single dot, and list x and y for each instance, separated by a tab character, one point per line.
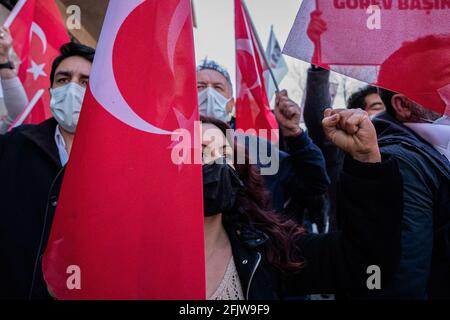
37	70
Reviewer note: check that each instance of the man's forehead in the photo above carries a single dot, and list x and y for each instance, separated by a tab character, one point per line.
211	76
73	65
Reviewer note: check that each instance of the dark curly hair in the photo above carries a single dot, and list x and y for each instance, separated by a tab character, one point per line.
253	208
358	99
68	50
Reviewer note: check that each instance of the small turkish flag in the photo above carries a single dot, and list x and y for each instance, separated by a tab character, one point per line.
252	104
38	32
129	222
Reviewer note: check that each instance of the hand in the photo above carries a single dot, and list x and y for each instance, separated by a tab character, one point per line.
353	132
5	44
316	27
287	113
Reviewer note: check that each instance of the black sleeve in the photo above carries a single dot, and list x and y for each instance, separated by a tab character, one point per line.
3	139
370	208
306	183
317	100
308	165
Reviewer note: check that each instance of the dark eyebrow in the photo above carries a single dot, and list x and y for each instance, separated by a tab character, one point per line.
63	73
70	74
375	104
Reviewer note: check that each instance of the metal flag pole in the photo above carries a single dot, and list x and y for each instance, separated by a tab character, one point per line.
261	48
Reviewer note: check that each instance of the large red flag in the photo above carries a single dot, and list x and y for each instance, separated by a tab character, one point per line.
130	220
38	32
401	45
252	104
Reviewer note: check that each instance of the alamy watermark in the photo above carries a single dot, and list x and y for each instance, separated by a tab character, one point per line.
374	280
73	21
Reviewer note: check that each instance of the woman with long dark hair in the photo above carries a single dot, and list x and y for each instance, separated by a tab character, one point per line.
253	252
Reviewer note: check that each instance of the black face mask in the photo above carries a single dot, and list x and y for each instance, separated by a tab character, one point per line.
221	184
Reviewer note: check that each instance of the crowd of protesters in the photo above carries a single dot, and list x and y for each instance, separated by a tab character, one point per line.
382	186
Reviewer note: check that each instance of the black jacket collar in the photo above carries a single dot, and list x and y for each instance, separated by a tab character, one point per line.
43	136
391	131
249	236
257	279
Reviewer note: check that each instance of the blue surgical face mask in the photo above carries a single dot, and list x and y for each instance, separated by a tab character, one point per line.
65	105
213	104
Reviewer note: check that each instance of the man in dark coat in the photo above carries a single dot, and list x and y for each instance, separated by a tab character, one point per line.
32	158
420	141
424	269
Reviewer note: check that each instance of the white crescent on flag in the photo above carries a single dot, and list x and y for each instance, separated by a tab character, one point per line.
103	84
176	26
41	35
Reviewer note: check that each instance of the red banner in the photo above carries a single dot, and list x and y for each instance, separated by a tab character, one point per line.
401	45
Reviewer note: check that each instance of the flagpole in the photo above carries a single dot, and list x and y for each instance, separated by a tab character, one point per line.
261	48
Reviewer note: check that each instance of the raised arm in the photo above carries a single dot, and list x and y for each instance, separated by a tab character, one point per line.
369	211
14	93
305	179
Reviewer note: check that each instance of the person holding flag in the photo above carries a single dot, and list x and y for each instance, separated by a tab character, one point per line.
300	179
32	158
38	31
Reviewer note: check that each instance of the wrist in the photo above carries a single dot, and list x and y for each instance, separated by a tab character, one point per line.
294	132
373	156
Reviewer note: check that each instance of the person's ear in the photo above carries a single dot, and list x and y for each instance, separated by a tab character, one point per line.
402	106
230	105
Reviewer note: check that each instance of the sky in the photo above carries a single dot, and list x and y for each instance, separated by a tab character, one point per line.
214	37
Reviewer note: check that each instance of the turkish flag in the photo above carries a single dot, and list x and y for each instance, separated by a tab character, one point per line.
252	104
38	32
129	222
401	45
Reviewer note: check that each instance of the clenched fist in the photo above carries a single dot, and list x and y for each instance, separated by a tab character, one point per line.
353	132
287	113
316	27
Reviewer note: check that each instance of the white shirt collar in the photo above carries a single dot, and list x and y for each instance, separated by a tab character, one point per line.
61	145
437	135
